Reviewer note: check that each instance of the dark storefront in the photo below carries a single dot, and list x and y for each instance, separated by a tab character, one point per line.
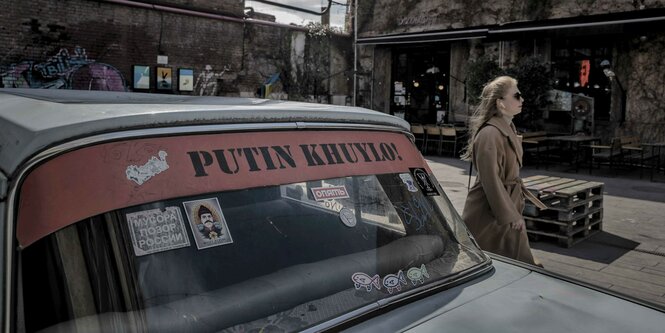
420	85
601	66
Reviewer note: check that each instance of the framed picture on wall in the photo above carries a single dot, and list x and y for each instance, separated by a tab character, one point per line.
164	78
141	75
185	79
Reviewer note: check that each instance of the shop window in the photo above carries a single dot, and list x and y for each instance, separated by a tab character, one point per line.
420	87
576	69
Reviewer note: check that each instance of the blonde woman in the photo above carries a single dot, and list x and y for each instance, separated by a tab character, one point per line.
493	208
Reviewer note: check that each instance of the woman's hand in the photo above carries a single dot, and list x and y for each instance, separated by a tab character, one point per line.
519	225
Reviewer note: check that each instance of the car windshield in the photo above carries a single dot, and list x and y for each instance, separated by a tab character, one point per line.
287	256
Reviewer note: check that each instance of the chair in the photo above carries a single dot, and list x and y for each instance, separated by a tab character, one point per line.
433	135
418	132
536	145
635	155
602	153
449	135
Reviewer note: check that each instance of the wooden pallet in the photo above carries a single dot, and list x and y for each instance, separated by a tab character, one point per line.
562	193
564	227
574	213
568	240
569	213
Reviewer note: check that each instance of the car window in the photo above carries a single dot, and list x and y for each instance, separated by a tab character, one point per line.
286	256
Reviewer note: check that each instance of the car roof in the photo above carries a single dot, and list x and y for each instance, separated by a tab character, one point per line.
34	119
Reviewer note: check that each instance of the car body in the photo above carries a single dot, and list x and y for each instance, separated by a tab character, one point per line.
162	213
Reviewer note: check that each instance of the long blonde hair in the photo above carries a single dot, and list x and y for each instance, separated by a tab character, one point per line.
487	109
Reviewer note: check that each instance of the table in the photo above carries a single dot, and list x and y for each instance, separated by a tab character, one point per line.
535	142
575	141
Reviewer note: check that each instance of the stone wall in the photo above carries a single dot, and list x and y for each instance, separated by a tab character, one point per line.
644	81
459	53
341	70
417	15
366	67
381	79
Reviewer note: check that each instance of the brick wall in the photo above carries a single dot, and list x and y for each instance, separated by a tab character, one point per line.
225	7
77	44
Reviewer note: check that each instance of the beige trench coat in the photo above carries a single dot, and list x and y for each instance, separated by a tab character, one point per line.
496	198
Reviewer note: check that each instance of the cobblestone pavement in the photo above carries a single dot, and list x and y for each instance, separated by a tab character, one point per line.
627	256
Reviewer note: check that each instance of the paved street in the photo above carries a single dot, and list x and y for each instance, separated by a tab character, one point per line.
628	256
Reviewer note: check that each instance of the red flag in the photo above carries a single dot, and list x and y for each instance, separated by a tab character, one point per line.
584	73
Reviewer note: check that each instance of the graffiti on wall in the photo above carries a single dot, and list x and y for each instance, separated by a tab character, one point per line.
206	82
416	20
64	71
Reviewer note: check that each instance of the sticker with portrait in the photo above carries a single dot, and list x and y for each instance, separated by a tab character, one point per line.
207	222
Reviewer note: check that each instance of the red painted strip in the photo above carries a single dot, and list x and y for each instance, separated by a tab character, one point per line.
93	180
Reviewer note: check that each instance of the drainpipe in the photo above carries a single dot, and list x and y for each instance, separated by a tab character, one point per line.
197	13
355	53
371	80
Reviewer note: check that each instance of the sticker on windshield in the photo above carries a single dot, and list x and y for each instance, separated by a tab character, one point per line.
415	212
330	193
416	274
408	180
394	281
424	182
207	222
157	230
143	173
362	280
348	217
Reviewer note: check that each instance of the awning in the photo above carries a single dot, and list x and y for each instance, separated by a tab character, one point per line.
620	22
439	36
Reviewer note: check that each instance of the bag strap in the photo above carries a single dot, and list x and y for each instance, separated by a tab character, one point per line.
468	185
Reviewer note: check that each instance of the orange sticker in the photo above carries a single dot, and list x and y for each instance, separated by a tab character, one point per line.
330	193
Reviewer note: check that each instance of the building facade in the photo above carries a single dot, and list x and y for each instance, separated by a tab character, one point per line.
603	59
197	47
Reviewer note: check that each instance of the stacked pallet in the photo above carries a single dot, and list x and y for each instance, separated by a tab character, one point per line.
574	209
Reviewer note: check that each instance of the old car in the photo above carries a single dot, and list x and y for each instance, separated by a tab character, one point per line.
127	212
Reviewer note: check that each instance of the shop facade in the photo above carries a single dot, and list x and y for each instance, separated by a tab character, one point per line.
603	58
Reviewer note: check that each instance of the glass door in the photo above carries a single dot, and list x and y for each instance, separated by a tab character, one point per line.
420	85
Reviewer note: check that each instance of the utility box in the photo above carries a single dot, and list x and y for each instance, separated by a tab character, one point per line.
569	113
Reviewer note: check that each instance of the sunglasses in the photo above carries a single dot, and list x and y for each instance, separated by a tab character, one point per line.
517	96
